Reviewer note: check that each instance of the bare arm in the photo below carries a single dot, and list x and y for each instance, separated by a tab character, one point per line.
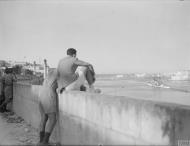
82	63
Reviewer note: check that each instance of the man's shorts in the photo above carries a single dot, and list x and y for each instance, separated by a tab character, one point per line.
48	100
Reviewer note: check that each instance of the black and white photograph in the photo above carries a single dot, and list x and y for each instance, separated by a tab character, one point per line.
95	72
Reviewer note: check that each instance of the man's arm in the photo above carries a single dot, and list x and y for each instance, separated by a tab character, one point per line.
82	63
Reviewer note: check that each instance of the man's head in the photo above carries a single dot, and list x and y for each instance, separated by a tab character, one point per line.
71	52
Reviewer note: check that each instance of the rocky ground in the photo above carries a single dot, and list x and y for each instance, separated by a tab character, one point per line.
15	131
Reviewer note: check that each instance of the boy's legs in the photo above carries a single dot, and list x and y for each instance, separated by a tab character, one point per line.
90	77
43	121
5	102
49	126
51	122
3	108
8	94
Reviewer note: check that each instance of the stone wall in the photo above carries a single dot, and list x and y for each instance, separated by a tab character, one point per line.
87	118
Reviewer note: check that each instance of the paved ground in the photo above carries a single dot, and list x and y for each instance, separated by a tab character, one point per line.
14	131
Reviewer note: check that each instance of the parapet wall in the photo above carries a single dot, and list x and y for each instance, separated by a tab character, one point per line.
25	102
25	105
91	119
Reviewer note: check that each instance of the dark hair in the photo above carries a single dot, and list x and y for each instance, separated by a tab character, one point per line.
71	51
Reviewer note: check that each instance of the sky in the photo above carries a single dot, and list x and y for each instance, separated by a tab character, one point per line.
116	36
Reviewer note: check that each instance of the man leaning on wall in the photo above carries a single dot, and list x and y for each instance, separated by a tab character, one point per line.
65	77
72	73
48	107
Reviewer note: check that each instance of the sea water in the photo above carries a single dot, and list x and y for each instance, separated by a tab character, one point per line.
178	91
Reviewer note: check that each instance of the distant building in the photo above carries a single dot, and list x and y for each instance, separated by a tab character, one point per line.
4	63
21	63
181	75
119	76
35	68
140	75
38	68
